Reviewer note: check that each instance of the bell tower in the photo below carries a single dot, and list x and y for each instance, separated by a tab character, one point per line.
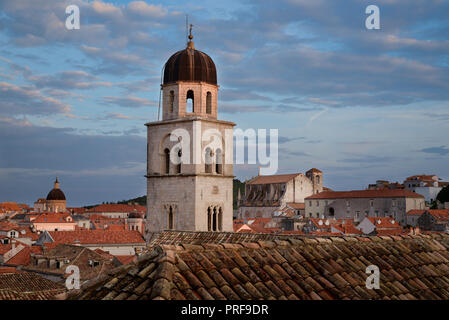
189	156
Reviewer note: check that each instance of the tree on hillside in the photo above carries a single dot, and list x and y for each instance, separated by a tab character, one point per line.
443	195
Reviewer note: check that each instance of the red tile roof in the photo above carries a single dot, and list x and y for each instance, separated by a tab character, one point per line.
383	193
416	212
118	208
384	222
10	206
54	218
22	258
126	259
421	177
9	270
440	215
279	178
97	237
296	205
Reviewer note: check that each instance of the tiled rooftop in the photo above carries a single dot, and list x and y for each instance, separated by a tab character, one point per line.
411	267
27	286
97	237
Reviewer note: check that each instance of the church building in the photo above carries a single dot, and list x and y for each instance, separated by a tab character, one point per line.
189	181
55	201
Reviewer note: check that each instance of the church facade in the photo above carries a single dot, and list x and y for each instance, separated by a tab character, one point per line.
266	195
189	176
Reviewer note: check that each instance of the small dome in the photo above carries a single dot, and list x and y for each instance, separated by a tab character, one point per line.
190	65
56	194
134	215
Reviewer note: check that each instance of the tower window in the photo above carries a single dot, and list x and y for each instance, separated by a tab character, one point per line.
178	168
317	179
167	161
170	219
209	219
208	159
171	101
214	220
189	103
219	162
209	103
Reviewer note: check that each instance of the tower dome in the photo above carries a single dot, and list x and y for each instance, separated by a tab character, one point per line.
56	193
190	65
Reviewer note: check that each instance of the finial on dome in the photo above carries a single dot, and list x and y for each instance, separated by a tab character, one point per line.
190	44
56	183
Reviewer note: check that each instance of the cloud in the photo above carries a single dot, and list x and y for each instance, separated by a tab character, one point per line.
442	150
282	139
70	79
16	100
129	102
93	168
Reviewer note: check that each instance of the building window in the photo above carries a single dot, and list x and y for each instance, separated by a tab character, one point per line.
348	204
310	203
170	219
317	203
171	101
317	179
178	167
209	219
209	103
357	214
218	162
393	203
331	212
214	220
371	203
208	160
167	161
190	107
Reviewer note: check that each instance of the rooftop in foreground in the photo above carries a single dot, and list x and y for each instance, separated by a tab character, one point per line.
280	267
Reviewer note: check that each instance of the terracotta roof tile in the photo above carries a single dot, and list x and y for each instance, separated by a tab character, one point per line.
28	286
97	237
289	267
279	178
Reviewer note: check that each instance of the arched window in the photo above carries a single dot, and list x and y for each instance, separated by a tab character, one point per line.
209	103
331	212
214	220
219	162
317	179
209	219
178	167
190	102
170	218
171	101
208	159
220	219
167	160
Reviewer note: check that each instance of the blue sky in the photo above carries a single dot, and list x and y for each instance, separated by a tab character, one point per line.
358	104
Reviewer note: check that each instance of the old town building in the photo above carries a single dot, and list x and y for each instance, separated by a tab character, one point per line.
265	195
359	204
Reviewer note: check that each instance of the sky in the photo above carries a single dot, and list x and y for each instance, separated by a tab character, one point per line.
358	104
